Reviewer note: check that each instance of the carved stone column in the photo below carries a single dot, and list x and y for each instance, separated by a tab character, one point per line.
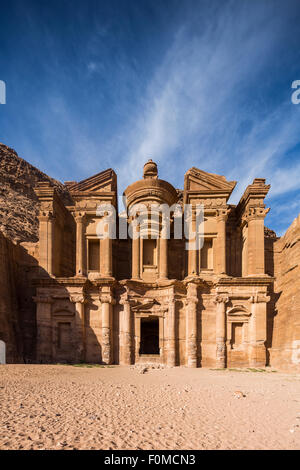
163	248
191	325
126	333
222	215
258	330
79	301
221	353
80	245
46	241
171	354
107	303
136	248
44	329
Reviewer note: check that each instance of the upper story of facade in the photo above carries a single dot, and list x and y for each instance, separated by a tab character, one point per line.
163	233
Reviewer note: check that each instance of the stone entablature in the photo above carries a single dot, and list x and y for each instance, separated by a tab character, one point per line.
113	300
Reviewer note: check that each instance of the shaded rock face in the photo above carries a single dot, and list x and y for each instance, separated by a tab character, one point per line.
10	321
18	202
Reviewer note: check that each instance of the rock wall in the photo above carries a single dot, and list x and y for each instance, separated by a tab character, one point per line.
18	267
10	331
285	324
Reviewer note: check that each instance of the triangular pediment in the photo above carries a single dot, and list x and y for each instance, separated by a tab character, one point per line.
199	180
105	181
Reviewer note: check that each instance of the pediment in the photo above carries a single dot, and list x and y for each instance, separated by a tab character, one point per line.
105	181
238	310
199	180
145	305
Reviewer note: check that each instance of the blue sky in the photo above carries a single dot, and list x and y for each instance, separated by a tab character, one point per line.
98	84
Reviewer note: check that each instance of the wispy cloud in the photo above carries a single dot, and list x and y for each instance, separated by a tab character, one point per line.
201	108
210	88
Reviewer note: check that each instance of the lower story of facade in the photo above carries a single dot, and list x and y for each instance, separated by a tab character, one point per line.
193	322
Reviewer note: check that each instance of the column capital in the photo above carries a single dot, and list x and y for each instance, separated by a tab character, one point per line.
221	299
78	298
257	298
171	299
46	216
124	299
222	214
191	300
107	298
254	213
79	217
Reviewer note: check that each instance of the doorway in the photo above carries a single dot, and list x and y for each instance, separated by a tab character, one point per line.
149	336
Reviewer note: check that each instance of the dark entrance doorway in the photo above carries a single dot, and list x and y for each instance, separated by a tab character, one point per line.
149	336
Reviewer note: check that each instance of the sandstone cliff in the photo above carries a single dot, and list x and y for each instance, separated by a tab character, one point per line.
18	202
285	350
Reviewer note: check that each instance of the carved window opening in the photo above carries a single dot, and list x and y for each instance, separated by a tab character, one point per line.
149	252
237	335
206	254
149	343
64	335
94	255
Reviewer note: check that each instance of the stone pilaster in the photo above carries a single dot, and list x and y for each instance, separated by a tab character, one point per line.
46	241
221	353
80	245
79	301
126	346
107	303
191	325
238	252
258	330
163	259
107	256
192	252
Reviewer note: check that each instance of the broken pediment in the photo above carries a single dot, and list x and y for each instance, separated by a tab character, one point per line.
145	305
105	181
200	181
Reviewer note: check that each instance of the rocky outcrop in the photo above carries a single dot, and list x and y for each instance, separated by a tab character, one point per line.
18	202
285	350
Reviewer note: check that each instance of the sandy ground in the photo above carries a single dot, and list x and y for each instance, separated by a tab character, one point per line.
67	407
